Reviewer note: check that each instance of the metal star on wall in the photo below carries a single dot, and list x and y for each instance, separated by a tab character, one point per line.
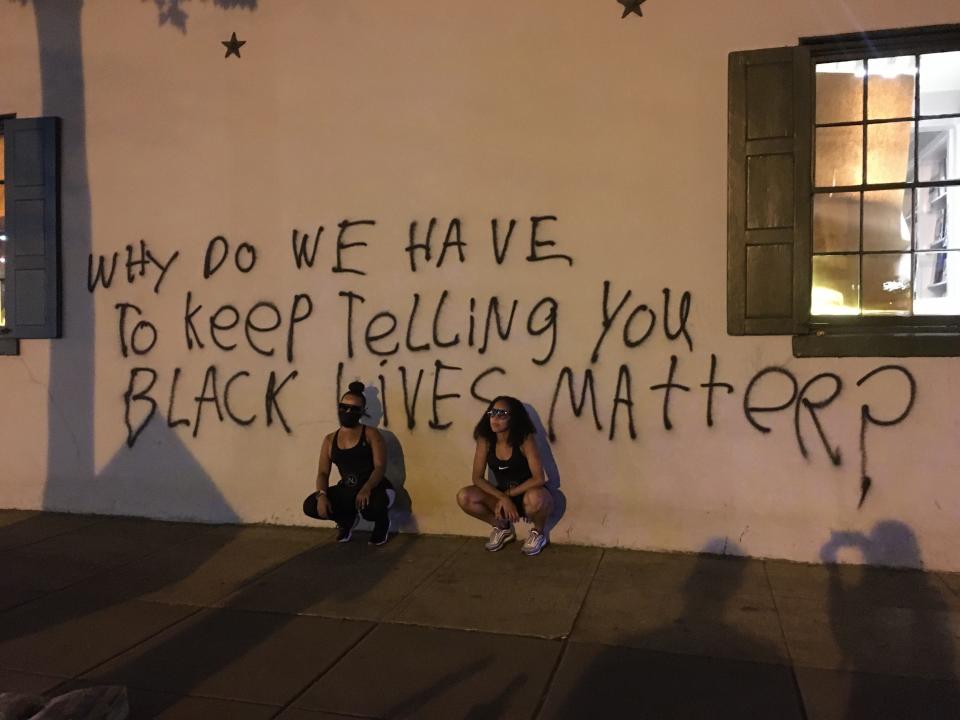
631	6
233	45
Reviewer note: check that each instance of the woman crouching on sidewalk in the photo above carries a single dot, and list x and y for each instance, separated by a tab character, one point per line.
506	445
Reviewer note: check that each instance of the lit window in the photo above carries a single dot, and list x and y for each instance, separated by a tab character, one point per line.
843	213
3	236
886	200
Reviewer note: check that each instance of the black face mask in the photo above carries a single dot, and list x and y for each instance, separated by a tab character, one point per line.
349	419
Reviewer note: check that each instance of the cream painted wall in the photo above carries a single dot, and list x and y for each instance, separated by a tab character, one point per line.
401	112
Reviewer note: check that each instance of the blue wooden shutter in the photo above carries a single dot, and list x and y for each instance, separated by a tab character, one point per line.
32	180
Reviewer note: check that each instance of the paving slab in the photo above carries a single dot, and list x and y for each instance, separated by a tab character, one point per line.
263	658
840	695
23	527
298	714
50	636
597	681
697	605
871	638
27	683
24	577
211	565
348	580
504	592
432	673
702	575
73	555
952	581
11	516
861	584
148	704
111	541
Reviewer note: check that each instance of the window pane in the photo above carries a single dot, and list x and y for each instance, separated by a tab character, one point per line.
889	156
940	83
933	293
936	227
886	219
3	245
886	284
836	285
839	156
938	161
840	92
891	87
836	222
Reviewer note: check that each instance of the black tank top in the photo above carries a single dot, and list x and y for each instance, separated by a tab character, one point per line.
355	464
510	472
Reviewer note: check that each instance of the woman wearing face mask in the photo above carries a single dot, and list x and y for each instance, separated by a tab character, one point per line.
505	444
359	454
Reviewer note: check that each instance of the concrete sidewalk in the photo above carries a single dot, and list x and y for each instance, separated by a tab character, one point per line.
268	622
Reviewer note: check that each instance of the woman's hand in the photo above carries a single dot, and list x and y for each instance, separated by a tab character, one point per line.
323	506
363	497
507	510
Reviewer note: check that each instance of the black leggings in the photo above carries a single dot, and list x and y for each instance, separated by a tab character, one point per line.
343	505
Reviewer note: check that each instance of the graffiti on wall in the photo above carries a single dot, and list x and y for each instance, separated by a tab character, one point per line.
435	325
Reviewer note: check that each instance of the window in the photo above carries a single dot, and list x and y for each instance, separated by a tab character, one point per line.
844	205
3	234
29	230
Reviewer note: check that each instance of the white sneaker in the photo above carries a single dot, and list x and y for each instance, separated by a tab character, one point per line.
535	542
499	537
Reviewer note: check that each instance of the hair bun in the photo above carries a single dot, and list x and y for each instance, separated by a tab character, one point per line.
356	388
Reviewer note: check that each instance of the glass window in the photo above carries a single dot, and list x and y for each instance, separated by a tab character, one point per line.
3	235
887	187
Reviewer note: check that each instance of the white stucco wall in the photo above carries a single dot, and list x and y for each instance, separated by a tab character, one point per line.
399	112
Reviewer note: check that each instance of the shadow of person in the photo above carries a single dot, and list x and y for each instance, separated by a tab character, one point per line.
704	662
891	627
401	512
550	468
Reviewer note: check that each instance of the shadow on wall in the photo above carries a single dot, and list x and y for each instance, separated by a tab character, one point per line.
401	513
160	473
891	630
550	468
172	11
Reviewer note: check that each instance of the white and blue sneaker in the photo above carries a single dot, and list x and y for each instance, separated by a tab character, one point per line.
535	542
499	537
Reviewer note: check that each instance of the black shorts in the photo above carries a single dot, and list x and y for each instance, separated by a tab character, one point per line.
517	501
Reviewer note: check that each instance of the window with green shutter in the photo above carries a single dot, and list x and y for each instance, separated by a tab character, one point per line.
29	231
844	193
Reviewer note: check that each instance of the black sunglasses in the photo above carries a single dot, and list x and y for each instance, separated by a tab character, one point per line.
497	412
348	408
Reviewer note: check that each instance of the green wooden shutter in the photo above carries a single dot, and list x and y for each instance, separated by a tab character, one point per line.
768	186
33	227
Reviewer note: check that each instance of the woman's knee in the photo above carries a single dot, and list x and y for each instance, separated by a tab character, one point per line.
310	507
536	500
466	497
